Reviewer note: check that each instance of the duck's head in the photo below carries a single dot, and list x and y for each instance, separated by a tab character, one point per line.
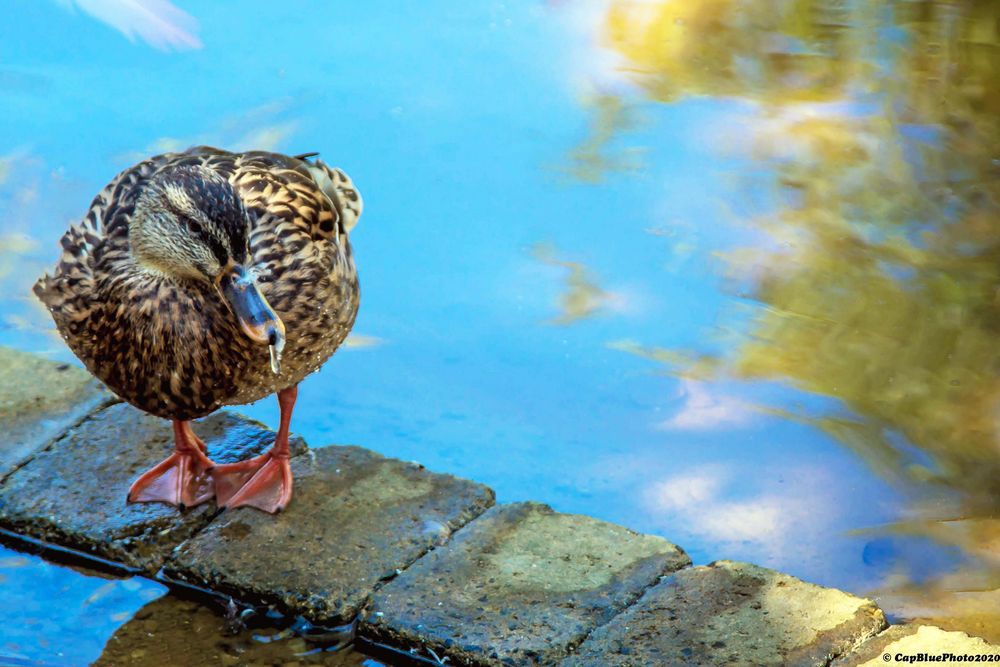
190	224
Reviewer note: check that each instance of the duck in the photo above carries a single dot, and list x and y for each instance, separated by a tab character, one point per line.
206	278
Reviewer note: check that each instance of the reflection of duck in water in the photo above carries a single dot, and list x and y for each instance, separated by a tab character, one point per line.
185	268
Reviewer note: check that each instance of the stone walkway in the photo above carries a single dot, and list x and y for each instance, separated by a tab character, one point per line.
423	562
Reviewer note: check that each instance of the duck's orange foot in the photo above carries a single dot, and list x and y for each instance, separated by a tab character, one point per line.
264	482
180	479
183	478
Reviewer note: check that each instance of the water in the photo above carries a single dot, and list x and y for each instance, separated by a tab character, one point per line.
724	271
108	620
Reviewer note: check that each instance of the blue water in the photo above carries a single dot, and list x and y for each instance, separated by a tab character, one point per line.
458	122
61	616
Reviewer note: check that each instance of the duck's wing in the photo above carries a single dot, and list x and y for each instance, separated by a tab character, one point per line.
83	242
319	199
339	189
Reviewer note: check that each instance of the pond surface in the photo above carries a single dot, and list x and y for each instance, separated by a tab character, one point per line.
724	270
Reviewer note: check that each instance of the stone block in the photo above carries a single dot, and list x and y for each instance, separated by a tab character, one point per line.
355	519
905	643
39	400
731	613
520	585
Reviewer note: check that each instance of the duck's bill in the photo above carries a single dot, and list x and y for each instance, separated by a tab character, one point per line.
256	317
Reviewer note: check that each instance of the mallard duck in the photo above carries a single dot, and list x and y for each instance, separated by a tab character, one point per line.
208	278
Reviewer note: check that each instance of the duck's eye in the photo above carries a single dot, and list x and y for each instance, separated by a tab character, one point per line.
194	227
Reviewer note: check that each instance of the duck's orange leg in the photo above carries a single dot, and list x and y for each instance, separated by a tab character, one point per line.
264	482
183	478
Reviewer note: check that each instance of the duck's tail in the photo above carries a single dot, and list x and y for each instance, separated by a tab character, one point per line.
338	187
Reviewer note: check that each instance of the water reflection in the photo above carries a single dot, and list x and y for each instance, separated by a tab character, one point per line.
358	341
159	23
877	267
266	127
581	296
90	606
793	51
601	154
175	631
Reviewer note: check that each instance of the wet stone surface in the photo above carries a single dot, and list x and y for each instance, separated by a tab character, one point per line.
731	613
911	640
354	520
73	493
39	399
521	585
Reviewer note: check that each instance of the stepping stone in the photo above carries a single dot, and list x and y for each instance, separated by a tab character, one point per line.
39	400
731	613
520	585
73	493
911	640
356	518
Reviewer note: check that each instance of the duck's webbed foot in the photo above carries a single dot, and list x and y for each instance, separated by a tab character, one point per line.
183	478
264	482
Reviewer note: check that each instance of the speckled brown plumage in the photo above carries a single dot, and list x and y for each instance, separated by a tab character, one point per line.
171	346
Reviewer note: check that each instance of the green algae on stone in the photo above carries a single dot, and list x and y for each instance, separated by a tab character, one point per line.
732	613
356	519
520	585
39	400
73	494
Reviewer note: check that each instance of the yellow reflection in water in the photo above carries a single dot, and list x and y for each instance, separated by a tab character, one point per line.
786	51
597	155
878	279
360	341
582	296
